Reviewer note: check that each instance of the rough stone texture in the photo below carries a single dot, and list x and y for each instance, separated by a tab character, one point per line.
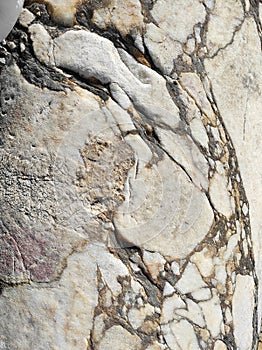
130	176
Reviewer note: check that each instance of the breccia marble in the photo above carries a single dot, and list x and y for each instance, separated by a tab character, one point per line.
130	176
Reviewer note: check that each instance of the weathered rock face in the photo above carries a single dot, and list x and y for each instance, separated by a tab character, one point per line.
131	176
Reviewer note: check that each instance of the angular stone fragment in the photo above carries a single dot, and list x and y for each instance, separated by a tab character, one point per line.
191	280
157	41
42	44
26	17
124	16
120	339
193	312
154	262
176	18
174	334
219	194
204	262
223	23
219	345
213	315
243	313
170	307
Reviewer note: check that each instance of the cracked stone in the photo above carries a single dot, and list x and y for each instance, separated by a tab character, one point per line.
224	20
124	16
199	132
140	83
137	316
129	176
193	85
213	315
219	194
174	335
186	16
158	41
243	312
193	312
125	340
190	281
170	305
204	262
243	75
65	309
185	153
162	220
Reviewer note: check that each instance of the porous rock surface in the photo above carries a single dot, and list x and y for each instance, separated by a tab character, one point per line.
130	176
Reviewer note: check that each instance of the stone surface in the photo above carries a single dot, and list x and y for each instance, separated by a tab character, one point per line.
9	12
242	312
130	176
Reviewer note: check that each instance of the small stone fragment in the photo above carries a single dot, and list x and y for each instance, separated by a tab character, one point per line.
242	312
219	194
154	262
193	312
42	44
213	315
219	345
190	281
119	338
224	20
180	335
170	305
171	14
136	317
175	268
124	16
204	262
26	17
168	289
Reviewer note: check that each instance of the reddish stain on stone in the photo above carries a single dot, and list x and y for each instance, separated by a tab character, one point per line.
28	255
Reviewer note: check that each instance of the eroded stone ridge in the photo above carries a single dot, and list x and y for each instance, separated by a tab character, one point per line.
130	166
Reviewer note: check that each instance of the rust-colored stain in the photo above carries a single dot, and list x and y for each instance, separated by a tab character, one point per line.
61	12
